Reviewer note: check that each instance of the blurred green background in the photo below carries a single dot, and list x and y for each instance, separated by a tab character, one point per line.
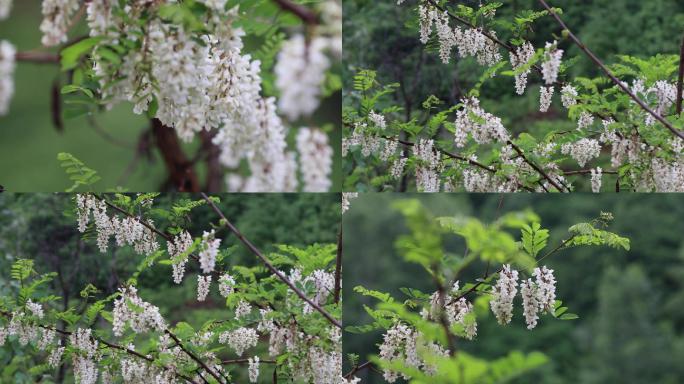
42	227
631	304
382	36
29	141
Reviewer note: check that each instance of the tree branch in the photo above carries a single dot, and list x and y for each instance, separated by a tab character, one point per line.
610	75
338	267
535	167
192	355
181	173
304	13
37	57
268	264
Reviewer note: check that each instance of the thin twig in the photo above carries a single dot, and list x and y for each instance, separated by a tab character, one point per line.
304	13
37	57
610	75
192	355
358	368
536	167
268	264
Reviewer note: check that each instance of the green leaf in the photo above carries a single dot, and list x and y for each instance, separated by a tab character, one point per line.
78	172
71	55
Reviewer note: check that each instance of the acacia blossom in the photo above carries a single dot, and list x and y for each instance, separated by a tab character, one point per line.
7	65
503	293
482	126
596	175
5	8
583	150
316	159
57	20
519	58
551	62
131	310
300	73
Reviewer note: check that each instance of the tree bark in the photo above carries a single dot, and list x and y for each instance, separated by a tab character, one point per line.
182	176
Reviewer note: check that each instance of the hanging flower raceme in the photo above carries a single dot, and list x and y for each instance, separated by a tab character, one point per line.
315	157
5	8
300	73
519	59
551	62
7	64
503	293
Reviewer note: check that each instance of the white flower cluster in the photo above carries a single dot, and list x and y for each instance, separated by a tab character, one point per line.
346	198
369	143
243	309
583	150
596	177
240	339
7	64
389	149
482	126
377	119
128	230
503	293
538	295
324	283
469	41
519	58
551	62
427	171
668	177
300	73
398	166
85	361
545	98
585	120
198	83
253	369
456	311
57	20
665	96
47	338
5	8
177	249
131	310
403	344
226	285
218	5
20	328
203	284
569	96
55	358
315	158
35	308
208	251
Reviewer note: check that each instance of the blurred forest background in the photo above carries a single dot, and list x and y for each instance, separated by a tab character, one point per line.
30	139
42	227
382	36
631	304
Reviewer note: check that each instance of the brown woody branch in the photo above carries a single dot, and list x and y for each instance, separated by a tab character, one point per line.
304	13
37	57
192	356
226	223
182	176
535	167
